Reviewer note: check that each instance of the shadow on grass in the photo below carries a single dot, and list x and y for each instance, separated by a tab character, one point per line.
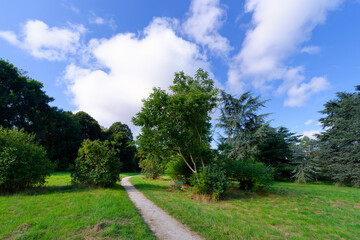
44	190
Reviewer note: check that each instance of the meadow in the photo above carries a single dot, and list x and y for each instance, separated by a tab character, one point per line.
60	210
288	211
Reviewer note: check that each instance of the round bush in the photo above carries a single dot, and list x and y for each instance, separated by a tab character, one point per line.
23	162
252	176
96	164
211	181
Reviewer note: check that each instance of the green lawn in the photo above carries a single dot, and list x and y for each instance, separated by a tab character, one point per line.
62	211
290	211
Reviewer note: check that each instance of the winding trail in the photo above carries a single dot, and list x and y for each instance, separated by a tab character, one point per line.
161	223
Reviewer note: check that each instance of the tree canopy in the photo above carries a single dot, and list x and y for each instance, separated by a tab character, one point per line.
178	122
22	100
121	140
89	126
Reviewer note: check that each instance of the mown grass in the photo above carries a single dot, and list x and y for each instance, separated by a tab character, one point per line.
290	211
63	211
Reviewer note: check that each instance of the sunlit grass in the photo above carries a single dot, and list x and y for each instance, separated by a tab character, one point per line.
63	211
290	211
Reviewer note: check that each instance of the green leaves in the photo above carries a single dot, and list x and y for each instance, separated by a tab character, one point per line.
23	163
96	164
178	122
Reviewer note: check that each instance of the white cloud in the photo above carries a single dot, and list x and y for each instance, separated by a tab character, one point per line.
299	93
134	65
310	49
42	41
10	37
311	134
279	28
205	19
308	122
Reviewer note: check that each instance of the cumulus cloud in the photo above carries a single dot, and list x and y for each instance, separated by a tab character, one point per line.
42	41
279	28
131	66
205	19
308	122
311	134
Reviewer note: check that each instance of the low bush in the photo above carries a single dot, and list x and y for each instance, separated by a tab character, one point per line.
252	176
211	181
96	164
23	162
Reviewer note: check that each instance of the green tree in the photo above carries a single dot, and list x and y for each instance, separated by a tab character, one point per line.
121	140
340	143
89	126
178	122
242	124
96	164
244	128
23	162
276	151
22	100
305	166
61	136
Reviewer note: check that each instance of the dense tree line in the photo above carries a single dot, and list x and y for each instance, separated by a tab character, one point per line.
24	105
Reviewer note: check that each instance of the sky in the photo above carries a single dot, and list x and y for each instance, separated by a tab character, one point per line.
104	57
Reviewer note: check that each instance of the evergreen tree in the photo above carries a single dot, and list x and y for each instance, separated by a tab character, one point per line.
340	143
275	150
242	125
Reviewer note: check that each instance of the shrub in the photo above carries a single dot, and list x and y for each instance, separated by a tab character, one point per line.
151	167
96	164
252	176
178	170
23	162
211	181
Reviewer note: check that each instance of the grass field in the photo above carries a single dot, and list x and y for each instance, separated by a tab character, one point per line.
290	211
62	211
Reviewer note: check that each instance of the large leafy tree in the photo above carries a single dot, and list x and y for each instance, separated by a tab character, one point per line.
22	100
89	126
62	137
178	122
340	143
121	140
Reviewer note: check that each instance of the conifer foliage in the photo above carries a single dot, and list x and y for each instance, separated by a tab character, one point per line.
340	143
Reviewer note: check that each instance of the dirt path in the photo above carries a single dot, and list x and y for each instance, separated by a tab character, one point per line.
162	224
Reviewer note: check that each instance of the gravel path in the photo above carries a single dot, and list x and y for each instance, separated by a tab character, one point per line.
162	224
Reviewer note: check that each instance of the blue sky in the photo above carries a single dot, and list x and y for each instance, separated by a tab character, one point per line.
103	57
